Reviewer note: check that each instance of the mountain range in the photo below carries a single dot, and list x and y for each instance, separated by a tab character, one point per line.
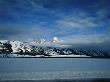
42	48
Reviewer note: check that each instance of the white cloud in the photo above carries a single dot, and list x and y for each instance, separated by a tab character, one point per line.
94	38
76	22
80	28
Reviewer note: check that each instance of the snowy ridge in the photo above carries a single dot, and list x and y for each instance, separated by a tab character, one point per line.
44	49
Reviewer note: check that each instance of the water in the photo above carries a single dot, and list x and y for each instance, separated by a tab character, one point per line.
53	64
53	68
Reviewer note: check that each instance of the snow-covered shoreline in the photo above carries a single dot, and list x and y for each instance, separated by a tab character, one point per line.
42	56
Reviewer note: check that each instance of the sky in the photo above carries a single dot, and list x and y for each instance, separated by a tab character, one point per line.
73	21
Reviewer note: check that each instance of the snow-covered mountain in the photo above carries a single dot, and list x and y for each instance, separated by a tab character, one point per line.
18	46
43	48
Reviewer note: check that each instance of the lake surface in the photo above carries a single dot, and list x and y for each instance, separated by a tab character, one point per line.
54	68
53	64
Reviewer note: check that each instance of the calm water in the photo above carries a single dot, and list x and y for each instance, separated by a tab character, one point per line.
53	64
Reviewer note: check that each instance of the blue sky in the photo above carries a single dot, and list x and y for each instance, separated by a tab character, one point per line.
74	21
